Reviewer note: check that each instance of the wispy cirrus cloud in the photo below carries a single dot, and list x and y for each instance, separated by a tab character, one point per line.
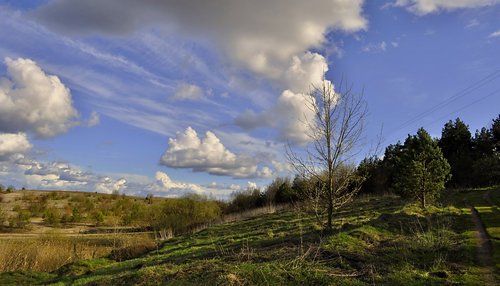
495	34
424	7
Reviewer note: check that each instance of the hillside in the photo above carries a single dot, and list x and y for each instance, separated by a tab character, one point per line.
378	240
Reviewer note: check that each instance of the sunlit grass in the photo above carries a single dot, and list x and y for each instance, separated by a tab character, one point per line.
382	241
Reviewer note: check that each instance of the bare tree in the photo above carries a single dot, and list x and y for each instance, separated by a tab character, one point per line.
335	129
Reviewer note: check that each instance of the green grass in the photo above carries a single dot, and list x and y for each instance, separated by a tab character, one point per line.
381	241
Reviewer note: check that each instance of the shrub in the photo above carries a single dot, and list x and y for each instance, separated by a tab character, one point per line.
52	216
21	220
98	217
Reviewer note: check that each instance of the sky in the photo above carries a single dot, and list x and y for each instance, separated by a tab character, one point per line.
172	97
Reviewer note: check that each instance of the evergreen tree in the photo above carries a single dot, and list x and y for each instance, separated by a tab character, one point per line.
486	148
422	171
495	135
456	145
482	144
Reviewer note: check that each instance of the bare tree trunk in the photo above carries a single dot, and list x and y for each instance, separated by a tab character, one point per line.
330	216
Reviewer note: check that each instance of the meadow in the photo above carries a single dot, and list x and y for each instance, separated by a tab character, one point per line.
378	240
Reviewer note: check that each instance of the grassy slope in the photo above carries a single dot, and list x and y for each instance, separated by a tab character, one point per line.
487	204
379	241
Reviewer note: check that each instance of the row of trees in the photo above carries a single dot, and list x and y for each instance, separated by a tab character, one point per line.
473	161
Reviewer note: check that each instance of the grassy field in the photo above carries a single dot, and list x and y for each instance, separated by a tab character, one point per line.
378	240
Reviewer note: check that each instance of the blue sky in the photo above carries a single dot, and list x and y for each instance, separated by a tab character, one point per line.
169	97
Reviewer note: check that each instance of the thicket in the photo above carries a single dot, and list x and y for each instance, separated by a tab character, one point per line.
282	190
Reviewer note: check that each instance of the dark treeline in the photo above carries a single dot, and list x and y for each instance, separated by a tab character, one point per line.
474	160
281	190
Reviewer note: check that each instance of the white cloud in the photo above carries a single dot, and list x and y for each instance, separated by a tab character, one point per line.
495	34
32	101
305	72
107	185
472	23
265	172
376	47
252	185
282	167
170	185
167	187
54	174
291	114
62	175
187	91
208	154
424	7
249	32
13	143
234	187
93	120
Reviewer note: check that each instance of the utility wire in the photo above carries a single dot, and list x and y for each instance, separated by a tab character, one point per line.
471	88
466	106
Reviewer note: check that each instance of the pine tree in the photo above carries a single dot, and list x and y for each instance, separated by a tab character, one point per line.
423	171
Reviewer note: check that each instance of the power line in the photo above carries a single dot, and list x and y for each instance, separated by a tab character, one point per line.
471	88
466	106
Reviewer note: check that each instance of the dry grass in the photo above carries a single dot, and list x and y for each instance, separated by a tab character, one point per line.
49	252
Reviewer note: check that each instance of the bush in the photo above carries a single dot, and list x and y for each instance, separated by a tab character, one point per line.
179	215
3	218
246	200
52	216
21	220
98	217
76	216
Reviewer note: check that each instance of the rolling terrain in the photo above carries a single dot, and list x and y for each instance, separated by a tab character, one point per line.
377	240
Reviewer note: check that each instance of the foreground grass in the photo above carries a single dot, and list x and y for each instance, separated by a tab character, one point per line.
376	241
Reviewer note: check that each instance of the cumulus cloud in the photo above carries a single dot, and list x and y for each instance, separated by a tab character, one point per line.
32	101
423	7
248	32
13	143
305	72
170	185
252	185
107	185
53	174
208	154
61	175
164	186
187	91
291	114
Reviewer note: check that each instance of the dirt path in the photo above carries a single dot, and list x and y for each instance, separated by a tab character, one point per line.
485	249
